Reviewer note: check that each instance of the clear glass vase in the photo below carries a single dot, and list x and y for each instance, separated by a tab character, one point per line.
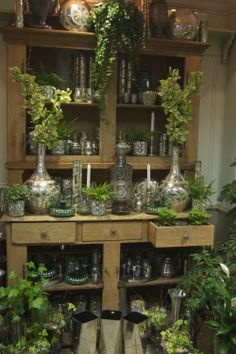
174	188
176	296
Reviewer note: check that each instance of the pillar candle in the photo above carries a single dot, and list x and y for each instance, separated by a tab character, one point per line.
148	176
88	175
152	121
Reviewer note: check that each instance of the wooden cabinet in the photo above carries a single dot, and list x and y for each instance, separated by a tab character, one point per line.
24	45
110	231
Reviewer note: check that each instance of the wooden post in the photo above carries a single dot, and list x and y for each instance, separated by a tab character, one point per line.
111	271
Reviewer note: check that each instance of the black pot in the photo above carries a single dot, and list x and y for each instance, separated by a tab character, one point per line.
40	10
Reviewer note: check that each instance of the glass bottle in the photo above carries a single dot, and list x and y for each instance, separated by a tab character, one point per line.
121	181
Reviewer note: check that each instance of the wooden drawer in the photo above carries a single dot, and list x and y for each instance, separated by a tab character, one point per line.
180	236
43	232
112	231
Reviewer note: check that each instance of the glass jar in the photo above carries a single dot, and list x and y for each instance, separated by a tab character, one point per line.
121	181
168	268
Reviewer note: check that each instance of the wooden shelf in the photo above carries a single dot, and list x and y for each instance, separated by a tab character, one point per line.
137	106
158	281
87	41
63	286
66	163
82	105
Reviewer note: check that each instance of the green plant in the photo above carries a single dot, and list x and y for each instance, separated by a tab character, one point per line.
99	192
17	192
166	216
64	131
199	189
52	79
118	24
177	103
210	291
177	339
157	316
228	192
198	216
139	135
44	115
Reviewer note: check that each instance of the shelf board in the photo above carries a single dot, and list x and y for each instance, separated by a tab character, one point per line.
87	41
83	105
63	286
66	163
137	106
158	281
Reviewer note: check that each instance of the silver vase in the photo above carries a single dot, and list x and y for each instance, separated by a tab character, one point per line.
174	188
43	188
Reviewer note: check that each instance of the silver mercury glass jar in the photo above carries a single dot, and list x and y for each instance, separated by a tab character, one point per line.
43	188
121	181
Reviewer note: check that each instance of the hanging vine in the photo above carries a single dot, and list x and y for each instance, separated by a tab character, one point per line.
118	25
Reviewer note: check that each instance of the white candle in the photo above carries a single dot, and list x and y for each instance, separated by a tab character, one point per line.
148	176
88	175
152	121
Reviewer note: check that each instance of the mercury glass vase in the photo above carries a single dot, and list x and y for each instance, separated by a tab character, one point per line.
121	181
44	189
174	188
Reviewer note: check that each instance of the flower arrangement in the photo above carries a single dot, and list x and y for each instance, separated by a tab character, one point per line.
45	115
177	103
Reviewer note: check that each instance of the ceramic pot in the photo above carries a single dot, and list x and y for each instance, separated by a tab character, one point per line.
140	148
59	148
40	10
16	208
174	188
43	188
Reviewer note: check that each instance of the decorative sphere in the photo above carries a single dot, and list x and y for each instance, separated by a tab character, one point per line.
73	15
183	24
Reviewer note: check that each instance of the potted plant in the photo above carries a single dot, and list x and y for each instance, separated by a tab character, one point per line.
118	24
199	191
157	321
99	195
47	81
177	339
45	117
177	104
210	292
166	216
64	133
198	216
15	197
139	139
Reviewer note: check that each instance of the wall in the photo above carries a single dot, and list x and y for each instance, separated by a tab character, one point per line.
2	112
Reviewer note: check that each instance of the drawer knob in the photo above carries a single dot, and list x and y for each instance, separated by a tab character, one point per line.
113	232
185	238
44	235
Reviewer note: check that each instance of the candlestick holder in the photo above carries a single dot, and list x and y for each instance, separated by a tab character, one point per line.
152	150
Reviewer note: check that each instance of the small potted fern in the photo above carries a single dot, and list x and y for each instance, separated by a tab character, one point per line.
99	195
15	197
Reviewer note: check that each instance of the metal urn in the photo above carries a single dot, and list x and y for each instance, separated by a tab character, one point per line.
43	188
121	181
40	10
174	188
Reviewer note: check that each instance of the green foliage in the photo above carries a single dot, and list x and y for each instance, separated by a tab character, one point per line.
166	216
199	189
228	193
45	115
118	24
157	316
64	131
177	339
177	103
51	79
211	293
17	192
100	192
198	216
139	135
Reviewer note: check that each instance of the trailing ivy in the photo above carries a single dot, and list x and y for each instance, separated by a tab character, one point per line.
118	25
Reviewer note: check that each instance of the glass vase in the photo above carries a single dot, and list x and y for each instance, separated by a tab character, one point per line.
44	190
176	296
174	188
121	181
